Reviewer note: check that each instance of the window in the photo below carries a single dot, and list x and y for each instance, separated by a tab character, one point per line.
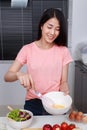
18	26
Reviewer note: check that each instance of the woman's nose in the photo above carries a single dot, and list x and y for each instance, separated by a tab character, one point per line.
52	31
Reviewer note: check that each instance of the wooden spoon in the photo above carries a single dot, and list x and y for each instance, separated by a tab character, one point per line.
10	108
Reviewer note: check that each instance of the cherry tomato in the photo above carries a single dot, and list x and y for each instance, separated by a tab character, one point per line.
47	127
71	127
64	126
56	127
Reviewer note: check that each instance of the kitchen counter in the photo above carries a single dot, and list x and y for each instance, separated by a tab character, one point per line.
39	121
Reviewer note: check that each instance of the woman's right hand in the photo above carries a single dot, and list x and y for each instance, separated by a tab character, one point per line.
25	80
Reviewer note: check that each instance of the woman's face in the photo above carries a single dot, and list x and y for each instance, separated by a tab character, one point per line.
50	30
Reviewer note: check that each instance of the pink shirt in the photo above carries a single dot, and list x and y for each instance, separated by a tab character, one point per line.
44	65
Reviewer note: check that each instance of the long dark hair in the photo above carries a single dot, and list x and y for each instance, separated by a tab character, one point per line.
61	40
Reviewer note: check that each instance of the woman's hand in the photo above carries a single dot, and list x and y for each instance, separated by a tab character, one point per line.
64	87
25	80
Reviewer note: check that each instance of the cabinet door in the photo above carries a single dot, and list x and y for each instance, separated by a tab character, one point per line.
84	92
80	90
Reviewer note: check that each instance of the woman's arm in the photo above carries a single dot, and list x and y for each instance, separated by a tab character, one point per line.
64	80
11	74
14	74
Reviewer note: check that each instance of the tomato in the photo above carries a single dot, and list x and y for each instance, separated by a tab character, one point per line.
47	127
56	127
64	126
71	127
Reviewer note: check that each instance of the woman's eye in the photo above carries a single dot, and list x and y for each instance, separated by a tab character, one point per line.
49	27
58	29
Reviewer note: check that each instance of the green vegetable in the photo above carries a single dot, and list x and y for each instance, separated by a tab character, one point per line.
19	115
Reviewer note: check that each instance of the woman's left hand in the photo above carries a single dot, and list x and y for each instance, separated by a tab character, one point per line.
64	87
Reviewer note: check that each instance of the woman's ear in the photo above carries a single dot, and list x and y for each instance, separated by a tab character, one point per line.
41	27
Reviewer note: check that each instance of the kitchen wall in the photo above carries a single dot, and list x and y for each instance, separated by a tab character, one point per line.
79	26
13	93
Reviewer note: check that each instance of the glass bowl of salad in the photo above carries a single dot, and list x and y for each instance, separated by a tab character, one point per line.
19	118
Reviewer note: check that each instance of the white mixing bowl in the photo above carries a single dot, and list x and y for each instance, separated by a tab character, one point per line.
62	103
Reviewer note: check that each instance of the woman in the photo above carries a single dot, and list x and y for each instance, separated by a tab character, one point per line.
47	61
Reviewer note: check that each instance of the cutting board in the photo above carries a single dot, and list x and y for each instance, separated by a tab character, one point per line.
32	129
